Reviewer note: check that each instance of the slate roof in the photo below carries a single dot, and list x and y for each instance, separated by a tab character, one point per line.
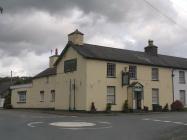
46	72
128	56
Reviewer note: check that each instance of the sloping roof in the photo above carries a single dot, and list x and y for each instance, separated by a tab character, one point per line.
128	56
46	72
76	32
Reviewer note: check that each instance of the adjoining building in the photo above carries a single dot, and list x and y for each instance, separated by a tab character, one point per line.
84	74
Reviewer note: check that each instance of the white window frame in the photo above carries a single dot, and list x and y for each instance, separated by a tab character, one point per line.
111	70
155	74
182	79
22	96
133	72
111	95
155	96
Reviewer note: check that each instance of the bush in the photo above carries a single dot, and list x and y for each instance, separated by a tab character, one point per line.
108	107
7	103
166	108
177	106
146	109
126	107
93	109
157	108
8	106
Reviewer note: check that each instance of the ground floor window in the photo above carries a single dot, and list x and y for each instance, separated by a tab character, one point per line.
22	96
111	94
52	95
183	96
155	96
41	96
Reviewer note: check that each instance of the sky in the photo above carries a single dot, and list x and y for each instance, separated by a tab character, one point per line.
29	29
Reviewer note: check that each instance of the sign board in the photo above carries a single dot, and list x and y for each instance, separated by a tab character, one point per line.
70	65
125	78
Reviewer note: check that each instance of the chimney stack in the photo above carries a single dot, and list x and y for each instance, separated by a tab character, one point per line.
76	37
151	49
53	58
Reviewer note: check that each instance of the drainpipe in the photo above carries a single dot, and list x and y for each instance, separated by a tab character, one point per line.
70	95
173	84
74	95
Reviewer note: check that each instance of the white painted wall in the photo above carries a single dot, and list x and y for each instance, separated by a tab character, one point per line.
178	86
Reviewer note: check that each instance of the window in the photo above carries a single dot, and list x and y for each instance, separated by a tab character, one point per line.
133	72
155	96
70	65
41	96
111	70
22	96
155	74
181	77
183	97
52	95
111	94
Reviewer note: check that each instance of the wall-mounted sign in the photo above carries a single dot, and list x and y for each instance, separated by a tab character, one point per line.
70	65
125	78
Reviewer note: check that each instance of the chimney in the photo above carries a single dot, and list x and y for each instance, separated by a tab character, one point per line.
53	58
76	37
151	49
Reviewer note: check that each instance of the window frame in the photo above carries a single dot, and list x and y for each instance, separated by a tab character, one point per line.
114	95
111	70
133	74
42	96
180	92
158	101
184	79
22	100
153	77
52	95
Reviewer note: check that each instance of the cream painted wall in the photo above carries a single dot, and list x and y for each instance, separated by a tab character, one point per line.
97	83
63	83
33	94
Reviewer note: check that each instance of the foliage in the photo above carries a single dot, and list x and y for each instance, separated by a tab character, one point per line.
157	108
177	106
146	108
7	103
126	107
166	108
93	109
108	107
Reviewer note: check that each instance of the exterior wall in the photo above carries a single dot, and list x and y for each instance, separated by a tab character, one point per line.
63	83
33	94
97	83
178	86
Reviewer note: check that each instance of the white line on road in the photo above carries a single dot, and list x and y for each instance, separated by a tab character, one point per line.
32	124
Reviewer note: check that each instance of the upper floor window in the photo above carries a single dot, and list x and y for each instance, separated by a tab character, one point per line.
22	96
111	70
181	77
133	72
155	74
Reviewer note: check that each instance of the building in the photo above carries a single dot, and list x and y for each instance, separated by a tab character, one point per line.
84	74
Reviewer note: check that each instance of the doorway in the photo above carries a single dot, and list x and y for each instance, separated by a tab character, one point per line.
138	100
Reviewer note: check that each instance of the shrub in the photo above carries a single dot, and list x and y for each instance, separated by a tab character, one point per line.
166	108
126	107
108	107
8	106
157	108
93	109
146	109
177	106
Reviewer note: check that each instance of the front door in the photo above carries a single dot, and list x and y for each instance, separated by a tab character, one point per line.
138	100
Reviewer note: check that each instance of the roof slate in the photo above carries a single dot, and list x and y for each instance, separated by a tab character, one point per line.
128	56
46	72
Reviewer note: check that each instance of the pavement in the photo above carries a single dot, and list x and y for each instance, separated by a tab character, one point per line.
38	125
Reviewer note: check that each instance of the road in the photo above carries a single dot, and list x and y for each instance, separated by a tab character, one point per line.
35	125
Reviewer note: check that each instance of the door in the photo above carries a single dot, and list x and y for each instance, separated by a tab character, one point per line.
138	100
183	97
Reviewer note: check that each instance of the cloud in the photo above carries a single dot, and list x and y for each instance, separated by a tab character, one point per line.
30	29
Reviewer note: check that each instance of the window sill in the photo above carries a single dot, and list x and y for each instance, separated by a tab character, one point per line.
111	76
155	80
133	78
41	101
21	102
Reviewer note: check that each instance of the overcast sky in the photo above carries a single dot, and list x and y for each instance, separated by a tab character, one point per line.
29	29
